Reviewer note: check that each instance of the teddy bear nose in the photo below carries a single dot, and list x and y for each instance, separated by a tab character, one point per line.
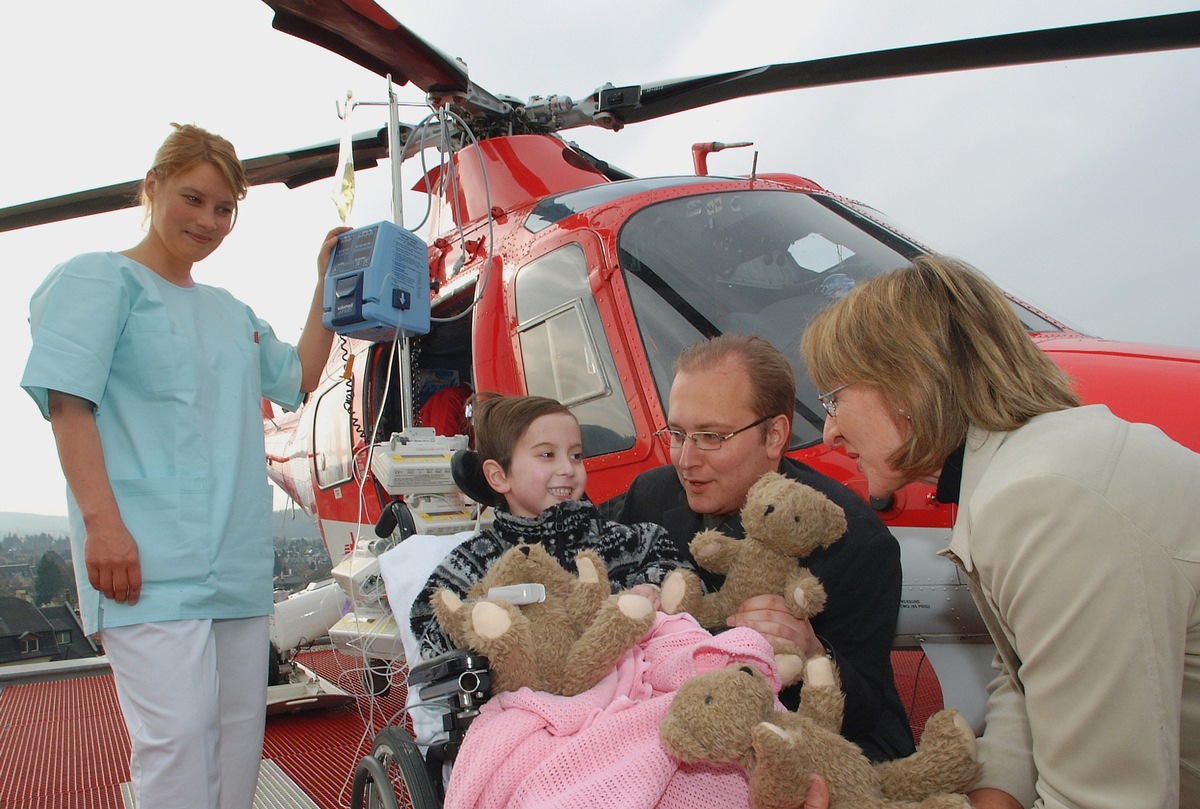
525	550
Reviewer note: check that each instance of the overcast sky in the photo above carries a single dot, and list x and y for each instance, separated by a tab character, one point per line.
1076	186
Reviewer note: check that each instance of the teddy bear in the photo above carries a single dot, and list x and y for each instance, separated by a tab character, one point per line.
564	644
729	716
783	521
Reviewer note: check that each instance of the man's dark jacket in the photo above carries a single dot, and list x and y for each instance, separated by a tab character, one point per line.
862	577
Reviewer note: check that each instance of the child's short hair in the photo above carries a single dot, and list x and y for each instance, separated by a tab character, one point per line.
500	421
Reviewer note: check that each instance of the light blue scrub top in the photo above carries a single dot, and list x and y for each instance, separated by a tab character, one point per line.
177	376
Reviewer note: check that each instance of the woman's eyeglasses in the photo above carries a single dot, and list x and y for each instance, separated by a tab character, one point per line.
829	400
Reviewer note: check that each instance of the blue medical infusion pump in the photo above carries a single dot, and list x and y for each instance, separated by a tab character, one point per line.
377	284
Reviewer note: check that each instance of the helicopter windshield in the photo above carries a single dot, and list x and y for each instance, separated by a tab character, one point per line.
760	262
754	262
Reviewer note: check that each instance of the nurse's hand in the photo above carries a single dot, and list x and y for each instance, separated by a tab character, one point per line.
326	250
113	566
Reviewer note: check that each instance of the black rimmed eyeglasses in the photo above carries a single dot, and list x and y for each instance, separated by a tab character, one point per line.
707	441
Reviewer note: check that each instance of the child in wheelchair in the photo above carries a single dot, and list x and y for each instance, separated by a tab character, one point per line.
530	459
527	465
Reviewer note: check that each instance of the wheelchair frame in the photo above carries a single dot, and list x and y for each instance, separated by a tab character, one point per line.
458	681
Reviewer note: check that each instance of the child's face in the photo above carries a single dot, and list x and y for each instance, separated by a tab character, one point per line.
547	466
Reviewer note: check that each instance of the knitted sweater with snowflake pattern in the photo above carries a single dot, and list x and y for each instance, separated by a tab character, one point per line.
633	554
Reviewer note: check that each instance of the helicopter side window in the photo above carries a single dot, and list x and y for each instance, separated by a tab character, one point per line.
332	439
565	352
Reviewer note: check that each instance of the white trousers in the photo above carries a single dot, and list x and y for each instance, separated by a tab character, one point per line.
193	694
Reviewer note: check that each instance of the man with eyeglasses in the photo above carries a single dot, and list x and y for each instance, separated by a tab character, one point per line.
729	423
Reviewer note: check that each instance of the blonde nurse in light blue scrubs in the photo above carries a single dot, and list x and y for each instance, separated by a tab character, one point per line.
152	384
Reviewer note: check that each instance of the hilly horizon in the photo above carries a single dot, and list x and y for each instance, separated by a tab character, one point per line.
284	522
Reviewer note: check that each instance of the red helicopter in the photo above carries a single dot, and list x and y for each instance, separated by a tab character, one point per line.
563	276
559	274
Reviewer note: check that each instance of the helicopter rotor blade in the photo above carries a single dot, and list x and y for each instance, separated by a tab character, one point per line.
364	33
292	168
367	35
1140	35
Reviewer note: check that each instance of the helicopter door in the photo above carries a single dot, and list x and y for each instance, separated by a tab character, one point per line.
564	349
332	439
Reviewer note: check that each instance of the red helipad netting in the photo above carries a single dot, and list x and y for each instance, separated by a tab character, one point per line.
63	744
919	688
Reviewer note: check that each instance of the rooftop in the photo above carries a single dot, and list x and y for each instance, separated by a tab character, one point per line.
63	744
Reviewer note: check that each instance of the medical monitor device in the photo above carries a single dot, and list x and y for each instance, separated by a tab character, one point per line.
377	284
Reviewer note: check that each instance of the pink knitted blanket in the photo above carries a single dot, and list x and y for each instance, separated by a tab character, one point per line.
601	748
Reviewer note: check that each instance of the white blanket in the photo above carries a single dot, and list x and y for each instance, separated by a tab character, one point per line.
406	569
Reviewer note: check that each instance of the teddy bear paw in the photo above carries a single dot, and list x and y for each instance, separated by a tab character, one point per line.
819	672
965	731
805	595
674	589
950	725
703	548
772	744
635	606
773	728
790	668
587	570
490	620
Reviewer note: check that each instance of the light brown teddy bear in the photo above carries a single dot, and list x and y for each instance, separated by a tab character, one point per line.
783	521
564	644
729	716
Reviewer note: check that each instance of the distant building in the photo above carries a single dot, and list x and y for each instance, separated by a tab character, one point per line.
290	582
32	635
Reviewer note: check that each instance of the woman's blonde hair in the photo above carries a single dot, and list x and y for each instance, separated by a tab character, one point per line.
943	345
189	145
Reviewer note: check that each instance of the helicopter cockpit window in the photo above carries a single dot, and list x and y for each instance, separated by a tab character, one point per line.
754	262
565	351
332	439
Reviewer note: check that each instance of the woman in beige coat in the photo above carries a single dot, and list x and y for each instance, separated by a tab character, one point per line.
1079	533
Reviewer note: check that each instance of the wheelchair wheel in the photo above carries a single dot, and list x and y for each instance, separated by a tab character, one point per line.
395	767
